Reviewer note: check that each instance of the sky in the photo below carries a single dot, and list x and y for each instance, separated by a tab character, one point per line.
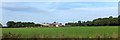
60	0
62	11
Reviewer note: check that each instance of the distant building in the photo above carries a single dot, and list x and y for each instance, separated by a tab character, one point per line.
45	25
54	24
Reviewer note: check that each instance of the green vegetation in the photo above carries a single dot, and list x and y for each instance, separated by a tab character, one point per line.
110	21
65	32
97	28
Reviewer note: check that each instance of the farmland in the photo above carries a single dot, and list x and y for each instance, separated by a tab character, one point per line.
64	32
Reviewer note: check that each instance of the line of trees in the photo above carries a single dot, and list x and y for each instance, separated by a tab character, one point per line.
12	24
111	21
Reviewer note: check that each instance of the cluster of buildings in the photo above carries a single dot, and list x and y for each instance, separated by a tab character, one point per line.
54	24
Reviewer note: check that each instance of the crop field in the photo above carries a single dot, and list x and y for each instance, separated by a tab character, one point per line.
64	32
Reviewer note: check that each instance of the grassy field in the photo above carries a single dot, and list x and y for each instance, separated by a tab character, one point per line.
64	32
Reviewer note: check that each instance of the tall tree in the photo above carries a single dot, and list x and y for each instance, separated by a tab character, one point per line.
11	24
1	25
79	23
119	20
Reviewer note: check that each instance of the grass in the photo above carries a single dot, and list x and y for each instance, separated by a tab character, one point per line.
65	32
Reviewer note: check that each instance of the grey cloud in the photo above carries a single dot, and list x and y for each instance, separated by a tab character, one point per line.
24	9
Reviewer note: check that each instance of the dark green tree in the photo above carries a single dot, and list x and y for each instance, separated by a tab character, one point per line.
79	23
119	20
1	25
89	23
19	24
11	24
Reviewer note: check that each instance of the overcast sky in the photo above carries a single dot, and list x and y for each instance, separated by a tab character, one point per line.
62	11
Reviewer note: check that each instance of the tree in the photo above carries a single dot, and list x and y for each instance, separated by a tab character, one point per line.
11	24
19	24
119	16
119	20
84	23
79	23
110	17
89	23
38	25
1	25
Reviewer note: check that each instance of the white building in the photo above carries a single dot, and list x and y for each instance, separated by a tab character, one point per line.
54	24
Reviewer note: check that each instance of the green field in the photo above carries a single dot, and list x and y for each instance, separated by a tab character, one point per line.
64	32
